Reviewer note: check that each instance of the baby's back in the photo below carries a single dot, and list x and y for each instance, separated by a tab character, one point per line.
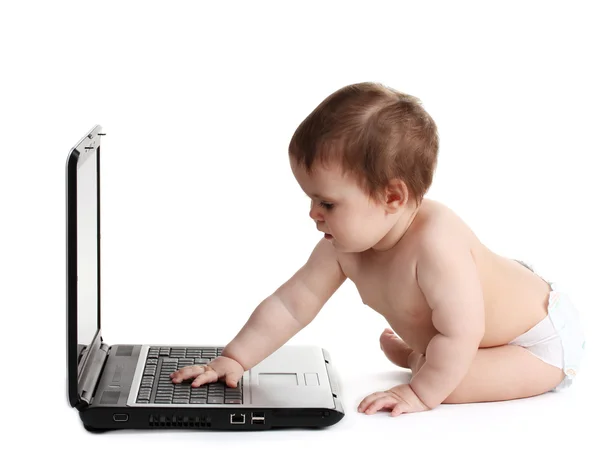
515	298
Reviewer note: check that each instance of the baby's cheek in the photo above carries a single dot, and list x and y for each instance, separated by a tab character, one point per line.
343	229
356	234
359	228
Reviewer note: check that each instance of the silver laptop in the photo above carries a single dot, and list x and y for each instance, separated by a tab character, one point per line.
127	386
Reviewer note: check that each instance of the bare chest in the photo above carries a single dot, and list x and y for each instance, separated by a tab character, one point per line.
389	287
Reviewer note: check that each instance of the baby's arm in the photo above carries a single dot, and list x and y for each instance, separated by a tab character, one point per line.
447	276
289	309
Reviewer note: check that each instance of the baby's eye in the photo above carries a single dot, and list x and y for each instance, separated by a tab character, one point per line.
326	205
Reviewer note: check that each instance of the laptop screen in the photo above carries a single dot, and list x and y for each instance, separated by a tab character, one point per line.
83	258
87	247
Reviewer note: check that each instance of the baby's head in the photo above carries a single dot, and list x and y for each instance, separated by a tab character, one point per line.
366	157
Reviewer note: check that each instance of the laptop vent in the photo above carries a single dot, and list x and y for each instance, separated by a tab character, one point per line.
124	350
164	420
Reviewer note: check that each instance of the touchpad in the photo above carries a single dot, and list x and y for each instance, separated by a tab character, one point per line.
278	379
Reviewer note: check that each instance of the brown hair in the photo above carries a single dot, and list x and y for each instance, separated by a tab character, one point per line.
376	133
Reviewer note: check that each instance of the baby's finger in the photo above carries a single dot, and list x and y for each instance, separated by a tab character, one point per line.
185	373
381	403
368	400
207	377
400	408
231	380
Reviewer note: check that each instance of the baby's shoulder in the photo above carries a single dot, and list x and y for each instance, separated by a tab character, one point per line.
437	223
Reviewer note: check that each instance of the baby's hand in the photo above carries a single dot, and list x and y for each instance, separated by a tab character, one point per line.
219	368
401	399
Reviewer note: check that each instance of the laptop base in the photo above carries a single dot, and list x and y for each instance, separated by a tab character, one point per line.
101	419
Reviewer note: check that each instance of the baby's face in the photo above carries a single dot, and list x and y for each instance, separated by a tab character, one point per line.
340	208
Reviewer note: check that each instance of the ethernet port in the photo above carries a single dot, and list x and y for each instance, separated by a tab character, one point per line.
237	419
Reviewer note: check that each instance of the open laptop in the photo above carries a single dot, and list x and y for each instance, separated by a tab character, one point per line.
128	386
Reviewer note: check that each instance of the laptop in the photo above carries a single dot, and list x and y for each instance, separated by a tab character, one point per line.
127	386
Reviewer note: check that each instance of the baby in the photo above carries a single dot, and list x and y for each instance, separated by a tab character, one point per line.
474	326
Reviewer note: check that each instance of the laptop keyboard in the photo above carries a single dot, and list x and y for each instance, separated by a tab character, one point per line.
157	388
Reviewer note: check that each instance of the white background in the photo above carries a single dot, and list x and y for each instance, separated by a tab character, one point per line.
202	218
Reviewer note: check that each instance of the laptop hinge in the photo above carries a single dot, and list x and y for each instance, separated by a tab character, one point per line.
91	374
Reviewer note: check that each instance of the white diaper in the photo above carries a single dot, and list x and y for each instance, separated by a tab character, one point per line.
558	339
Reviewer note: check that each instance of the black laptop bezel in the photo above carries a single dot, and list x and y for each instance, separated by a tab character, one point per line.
77	356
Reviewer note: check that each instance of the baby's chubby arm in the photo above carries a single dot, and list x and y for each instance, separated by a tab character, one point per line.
289	309
447	276
276	319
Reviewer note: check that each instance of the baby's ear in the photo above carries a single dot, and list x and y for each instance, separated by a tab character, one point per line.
396	195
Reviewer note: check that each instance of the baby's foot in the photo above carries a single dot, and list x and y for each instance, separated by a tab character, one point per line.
394	348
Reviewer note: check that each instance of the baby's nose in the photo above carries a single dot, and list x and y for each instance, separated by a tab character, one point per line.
315	215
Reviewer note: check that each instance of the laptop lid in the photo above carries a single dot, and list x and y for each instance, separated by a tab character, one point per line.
83	261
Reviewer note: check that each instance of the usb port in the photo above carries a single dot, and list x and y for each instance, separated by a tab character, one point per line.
120	417
237	419
258	418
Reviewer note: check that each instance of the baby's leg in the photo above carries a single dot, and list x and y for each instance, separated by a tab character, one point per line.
499	374
394	348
